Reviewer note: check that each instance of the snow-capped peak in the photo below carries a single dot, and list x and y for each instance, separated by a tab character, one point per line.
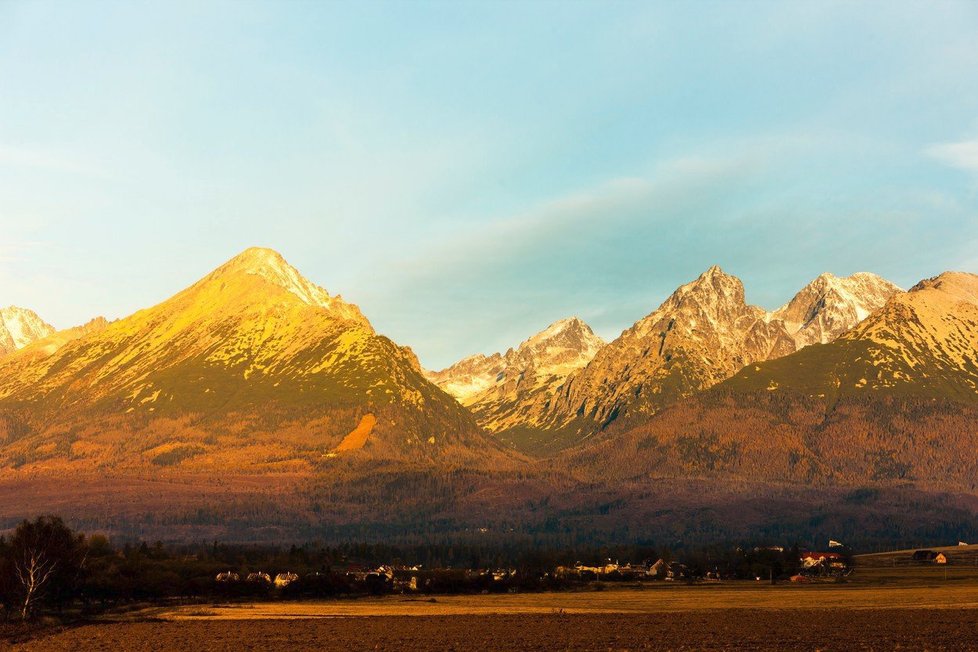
499	387
830	305
20	327
571	327
272	267
560	348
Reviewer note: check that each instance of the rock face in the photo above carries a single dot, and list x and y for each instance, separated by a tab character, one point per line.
563	384
252	362
470	377
511	389
19	327
829	306
699	336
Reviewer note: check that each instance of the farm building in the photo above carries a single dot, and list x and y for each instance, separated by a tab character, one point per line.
930	556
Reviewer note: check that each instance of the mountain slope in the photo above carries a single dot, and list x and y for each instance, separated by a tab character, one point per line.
253	364
512	389
19	327
893	401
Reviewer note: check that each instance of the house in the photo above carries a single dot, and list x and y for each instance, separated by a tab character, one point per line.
658	569
501	574
284	579
930	556
676	571
406	585
263	578
227	576
385	573
823	559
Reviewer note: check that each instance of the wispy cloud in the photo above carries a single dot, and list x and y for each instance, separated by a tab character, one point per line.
45	159
585	220
14	249
576	253
962	155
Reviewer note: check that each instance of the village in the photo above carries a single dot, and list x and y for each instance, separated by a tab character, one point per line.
772	564
769	565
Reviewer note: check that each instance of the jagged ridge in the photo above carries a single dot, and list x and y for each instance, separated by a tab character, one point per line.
509	390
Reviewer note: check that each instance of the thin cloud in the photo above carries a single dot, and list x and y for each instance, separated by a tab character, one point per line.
39	158
611	252
581	217
16	250
962	155
573	254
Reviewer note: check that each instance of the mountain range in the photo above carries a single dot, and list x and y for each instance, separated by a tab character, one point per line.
892	400
255	404
702	334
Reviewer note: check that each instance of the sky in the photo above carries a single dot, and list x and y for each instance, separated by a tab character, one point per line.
470	172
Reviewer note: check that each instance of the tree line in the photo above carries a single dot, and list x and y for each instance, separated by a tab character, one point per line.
47	567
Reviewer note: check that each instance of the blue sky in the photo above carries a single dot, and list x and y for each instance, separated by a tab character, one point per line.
470	172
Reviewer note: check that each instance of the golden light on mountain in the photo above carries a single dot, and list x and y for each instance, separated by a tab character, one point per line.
252	364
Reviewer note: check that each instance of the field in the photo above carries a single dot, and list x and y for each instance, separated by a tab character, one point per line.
797	629
876	610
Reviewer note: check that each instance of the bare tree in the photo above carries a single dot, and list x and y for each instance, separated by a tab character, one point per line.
47	560
34	572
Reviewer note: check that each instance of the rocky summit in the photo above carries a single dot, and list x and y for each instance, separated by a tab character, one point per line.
829	306
513	389
20	327
701	335
892	401
923	343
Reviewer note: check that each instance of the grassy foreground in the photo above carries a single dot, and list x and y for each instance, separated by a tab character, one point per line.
878	608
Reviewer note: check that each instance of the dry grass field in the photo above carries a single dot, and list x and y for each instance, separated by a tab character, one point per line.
870	612
803	630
